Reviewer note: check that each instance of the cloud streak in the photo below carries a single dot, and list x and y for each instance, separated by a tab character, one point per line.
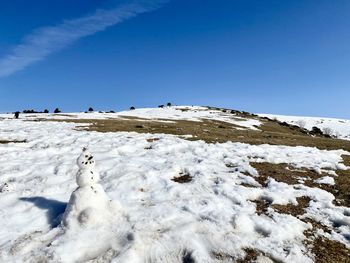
47	40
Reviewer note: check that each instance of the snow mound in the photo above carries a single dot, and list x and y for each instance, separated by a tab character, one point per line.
326	180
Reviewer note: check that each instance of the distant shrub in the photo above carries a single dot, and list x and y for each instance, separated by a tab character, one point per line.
316	131
17	114
34	111
111	111
29	111
90	109
160	106
132	108
57	110
169	104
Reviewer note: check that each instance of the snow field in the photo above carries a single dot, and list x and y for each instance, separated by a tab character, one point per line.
162	220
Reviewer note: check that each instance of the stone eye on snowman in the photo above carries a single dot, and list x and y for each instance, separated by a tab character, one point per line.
89	204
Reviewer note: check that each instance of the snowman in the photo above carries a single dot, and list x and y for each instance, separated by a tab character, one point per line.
89	205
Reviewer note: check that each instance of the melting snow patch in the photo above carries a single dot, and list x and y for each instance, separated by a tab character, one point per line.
326	180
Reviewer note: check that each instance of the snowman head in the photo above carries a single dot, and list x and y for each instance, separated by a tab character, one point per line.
87	173
86	160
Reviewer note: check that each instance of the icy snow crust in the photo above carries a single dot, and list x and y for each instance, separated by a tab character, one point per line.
158	220
339	127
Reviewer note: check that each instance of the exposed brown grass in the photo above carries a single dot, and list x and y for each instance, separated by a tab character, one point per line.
294	210
287	174
323	249
5	141
283	173
251	255
261	206
271	132
330	251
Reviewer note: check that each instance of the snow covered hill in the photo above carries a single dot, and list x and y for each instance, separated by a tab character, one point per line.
178	200
339	128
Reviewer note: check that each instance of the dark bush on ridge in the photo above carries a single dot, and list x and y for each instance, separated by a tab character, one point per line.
316	131
57	110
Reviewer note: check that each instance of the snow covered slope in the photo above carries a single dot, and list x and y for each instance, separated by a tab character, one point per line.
183	201
166	114
339	128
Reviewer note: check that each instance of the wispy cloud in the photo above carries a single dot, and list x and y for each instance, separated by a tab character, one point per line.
47	40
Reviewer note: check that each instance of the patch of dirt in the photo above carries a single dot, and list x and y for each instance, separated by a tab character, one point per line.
323	249
294	210
329	251
289	175
315	226
5	141
283	173
184	177
222	256
251	256
247	185
261	206
153	139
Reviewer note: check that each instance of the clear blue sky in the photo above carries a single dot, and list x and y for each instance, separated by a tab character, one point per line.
272	56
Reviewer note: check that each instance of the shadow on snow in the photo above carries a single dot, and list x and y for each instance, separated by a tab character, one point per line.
54	209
